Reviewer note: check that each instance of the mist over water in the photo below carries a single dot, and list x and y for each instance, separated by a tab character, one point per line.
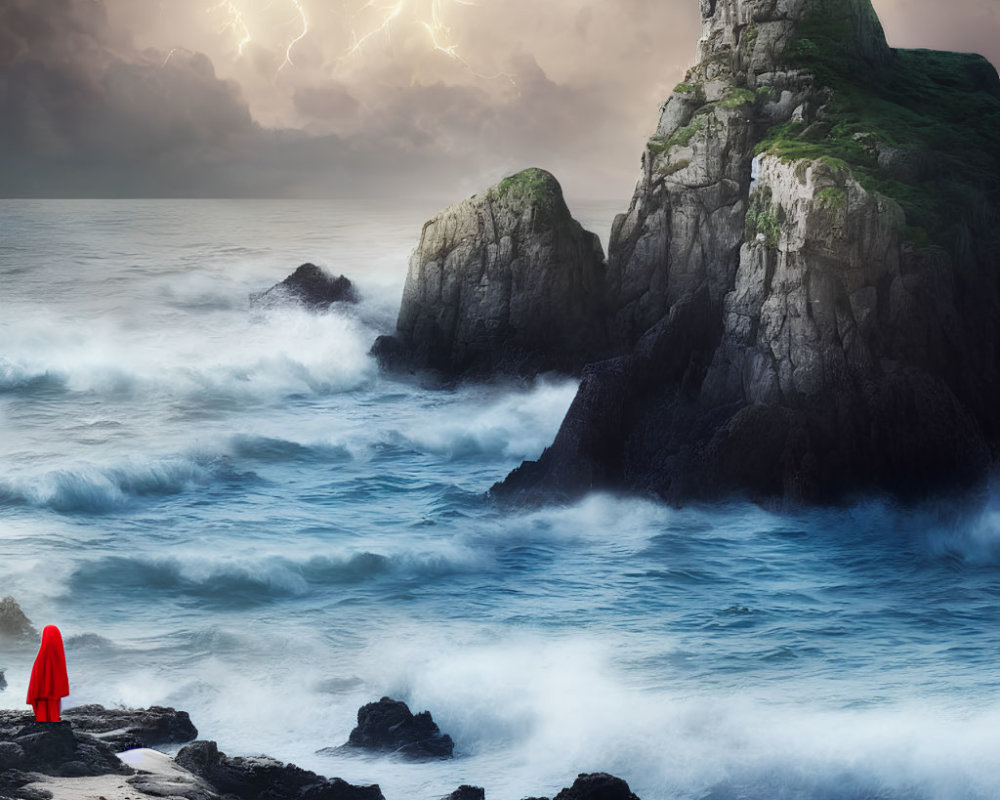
233	513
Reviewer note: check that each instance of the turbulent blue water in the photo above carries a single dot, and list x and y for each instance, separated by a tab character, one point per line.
236	515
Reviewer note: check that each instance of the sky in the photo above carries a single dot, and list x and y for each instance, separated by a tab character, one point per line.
365	98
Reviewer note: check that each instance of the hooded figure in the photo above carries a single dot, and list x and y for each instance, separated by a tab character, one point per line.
49	682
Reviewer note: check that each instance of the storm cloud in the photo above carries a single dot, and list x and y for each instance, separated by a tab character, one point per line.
304	98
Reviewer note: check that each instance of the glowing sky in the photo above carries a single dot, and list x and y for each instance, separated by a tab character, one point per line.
341	97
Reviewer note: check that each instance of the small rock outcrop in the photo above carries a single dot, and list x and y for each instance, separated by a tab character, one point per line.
13	622
309	286
50	748
124	729
805	287
597	786
594	786
264	778
389	726
504	282
466	792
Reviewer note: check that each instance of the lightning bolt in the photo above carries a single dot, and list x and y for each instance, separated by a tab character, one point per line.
301	13
383	27
380	18
437	30
236	23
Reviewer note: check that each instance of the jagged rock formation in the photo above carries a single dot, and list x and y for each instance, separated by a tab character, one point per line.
123	729
806	283
389	726
309	286
264	778
506	281
49	748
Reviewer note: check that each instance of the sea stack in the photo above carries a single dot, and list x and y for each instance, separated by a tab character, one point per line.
806	286
504	282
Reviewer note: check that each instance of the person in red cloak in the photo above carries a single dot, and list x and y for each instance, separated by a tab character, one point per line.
49	682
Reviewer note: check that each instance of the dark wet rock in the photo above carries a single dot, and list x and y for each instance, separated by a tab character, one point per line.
308	286
506	282
13	622
597	786
388	726
466	792
264	778
51	748
3	681
174	787
14	785
124	729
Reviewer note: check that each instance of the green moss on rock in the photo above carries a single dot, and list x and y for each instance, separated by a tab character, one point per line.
832	198
738	97
675	166
942	110
763	218
531	187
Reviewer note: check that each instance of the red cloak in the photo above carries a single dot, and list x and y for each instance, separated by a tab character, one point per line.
48	675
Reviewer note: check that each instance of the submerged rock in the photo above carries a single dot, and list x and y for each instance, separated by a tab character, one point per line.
13	622
389	726
124	729
504	282
264	778
308	286
804	312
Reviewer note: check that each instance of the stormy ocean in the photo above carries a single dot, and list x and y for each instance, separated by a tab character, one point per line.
234	514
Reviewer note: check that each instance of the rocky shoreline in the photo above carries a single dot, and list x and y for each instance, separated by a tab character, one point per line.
96	752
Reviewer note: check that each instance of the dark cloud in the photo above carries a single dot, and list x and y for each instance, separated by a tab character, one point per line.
139	97
329	102
82	109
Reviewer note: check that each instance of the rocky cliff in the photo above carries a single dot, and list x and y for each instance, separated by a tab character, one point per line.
806	286
506	281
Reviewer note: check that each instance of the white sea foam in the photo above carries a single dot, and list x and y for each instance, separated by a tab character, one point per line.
515	424
290	351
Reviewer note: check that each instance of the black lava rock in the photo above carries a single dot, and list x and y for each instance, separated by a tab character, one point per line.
264	778
466	792
124	729
308	286
389	726
51	748
597	786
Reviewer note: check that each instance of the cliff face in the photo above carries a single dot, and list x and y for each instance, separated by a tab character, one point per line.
506	281
807	278
684	227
